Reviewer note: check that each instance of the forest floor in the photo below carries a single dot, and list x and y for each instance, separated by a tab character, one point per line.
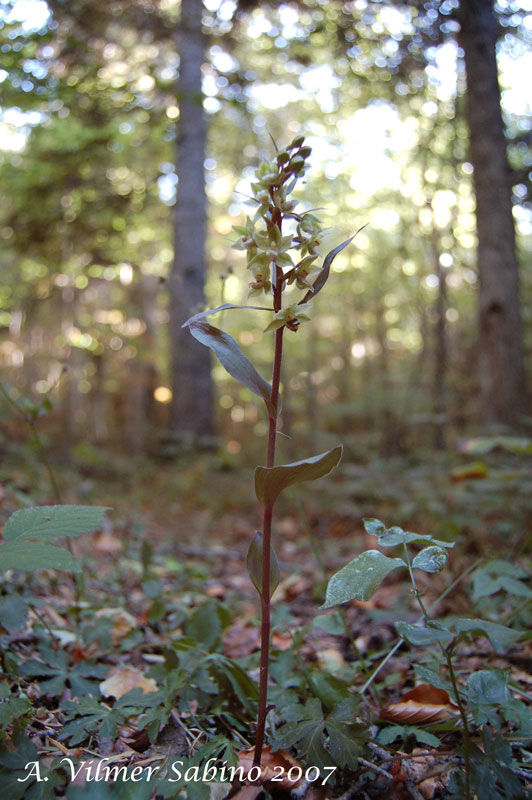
164	606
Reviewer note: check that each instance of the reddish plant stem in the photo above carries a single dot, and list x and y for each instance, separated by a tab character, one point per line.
267	534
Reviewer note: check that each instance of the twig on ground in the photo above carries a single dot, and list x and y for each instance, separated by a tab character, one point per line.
375	768
383	754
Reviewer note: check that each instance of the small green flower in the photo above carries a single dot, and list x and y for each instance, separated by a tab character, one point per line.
291	316
261	284
268	175
258	261
262	197
304	272
309	226
309	234
246	240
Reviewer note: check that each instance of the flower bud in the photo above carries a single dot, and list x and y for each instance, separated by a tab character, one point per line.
297	142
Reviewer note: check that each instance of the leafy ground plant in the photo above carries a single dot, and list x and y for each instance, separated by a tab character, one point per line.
281	245
27	535
177	651
486	699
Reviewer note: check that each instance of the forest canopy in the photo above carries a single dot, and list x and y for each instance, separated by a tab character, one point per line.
91	112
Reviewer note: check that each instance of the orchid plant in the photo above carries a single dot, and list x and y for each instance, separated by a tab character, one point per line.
282	251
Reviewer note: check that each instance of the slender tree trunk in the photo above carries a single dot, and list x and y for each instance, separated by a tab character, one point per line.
387	423
439	386
345	376
147	303
192	404
98	400
502	376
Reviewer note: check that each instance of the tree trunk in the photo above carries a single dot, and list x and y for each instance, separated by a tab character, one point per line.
192	403
390	433
502	376
439	386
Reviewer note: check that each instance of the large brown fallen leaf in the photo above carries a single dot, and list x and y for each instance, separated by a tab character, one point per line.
272	764
421	706
122	680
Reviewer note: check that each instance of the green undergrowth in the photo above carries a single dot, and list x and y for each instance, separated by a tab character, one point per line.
178	617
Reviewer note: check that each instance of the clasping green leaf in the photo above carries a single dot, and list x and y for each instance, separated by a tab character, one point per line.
254	564
270	481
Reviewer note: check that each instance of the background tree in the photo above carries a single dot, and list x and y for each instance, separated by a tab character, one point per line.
192	402
87	227
501	367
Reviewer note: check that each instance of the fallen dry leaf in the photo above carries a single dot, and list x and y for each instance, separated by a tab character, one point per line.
476	471
288	526
122	622
426	771
122	680
274	764
240	639
422	705
330	659
282	641
216	590
432	787
290	587
385	597
107	543
56	619
522	676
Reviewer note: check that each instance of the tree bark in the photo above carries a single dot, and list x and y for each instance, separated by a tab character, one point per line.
192	402
502	375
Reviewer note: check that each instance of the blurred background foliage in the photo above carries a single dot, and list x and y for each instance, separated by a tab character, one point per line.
88	121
